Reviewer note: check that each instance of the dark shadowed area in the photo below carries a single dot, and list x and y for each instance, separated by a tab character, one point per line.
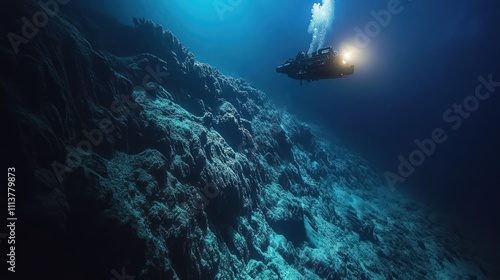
156	140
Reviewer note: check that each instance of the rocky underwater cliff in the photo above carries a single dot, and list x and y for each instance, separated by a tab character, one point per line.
135	161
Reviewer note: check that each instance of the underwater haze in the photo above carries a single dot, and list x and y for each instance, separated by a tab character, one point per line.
412	68
157	139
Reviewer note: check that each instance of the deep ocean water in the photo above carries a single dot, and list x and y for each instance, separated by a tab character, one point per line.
135	160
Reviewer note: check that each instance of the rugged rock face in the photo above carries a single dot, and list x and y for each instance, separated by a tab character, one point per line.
138	162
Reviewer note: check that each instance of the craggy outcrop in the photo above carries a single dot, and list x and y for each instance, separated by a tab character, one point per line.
138	160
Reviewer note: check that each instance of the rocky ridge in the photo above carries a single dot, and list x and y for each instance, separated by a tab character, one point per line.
141	160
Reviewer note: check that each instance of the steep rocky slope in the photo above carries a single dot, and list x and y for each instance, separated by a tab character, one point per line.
135	161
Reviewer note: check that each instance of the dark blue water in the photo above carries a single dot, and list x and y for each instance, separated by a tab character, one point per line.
425	59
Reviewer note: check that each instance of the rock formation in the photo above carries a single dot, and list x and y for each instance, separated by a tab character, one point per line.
135	160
